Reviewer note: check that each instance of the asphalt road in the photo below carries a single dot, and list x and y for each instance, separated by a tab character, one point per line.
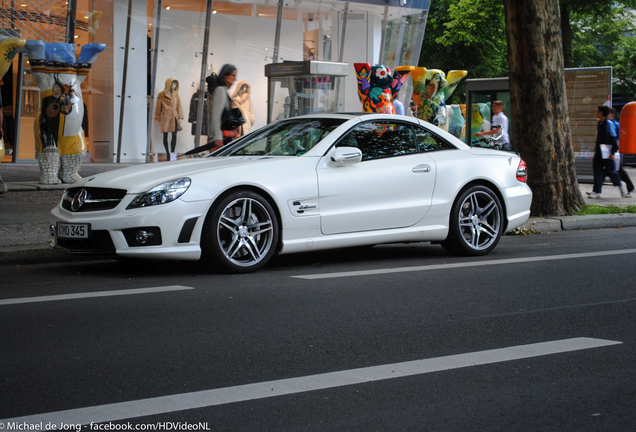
537	336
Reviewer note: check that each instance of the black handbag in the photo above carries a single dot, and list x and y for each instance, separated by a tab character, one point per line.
231	118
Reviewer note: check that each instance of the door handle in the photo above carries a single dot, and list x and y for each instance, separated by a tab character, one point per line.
422	168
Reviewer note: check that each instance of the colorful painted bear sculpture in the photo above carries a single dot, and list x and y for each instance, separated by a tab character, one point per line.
431	89
8	49
59	138
377	87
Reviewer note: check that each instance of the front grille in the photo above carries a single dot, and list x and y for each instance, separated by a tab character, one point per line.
94	199
99	243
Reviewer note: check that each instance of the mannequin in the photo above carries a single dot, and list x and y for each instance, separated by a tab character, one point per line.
242	98
169	114
192	114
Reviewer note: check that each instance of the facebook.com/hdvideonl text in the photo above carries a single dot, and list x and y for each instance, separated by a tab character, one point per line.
128	426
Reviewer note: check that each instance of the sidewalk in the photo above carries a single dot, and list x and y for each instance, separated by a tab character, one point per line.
25	208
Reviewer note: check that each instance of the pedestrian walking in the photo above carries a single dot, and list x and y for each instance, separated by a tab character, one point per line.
606	147
221	101
618	158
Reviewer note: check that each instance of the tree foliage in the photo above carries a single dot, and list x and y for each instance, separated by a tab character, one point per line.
470	35
625	69
466	35
607	40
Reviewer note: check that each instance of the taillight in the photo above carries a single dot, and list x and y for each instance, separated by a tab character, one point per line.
522	171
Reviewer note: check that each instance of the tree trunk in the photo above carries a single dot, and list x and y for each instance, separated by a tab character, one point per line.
566	29
541	131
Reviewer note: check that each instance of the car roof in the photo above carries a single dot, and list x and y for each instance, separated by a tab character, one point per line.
350	115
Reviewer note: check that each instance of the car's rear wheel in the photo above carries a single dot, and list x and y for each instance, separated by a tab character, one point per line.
240	233
476	222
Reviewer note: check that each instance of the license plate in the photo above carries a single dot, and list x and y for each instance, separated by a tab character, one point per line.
73	230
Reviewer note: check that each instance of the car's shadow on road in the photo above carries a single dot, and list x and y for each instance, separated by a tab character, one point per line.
373	257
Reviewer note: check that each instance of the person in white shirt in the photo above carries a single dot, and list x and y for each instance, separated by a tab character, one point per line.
499	125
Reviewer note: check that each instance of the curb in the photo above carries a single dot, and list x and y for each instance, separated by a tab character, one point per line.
569	223
33	186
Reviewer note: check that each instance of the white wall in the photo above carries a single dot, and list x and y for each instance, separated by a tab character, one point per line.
361	46
135	114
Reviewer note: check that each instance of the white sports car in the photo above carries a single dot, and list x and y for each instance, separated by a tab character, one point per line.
302	184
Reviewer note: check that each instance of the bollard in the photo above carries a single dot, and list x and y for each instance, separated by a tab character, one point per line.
628	129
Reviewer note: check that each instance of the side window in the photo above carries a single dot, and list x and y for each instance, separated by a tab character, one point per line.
427	142
379	140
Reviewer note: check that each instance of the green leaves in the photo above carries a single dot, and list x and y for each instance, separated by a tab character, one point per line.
606	39
470	35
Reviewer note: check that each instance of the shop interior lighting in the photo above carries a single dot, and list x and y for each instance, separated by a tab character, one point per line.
168	7
213	11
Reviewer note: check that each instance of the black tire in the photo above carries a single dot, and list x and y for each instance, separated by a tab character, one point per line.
240	233
476	223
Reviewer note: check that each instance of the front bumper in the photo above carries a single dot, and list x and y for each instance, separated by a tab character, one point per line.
174	230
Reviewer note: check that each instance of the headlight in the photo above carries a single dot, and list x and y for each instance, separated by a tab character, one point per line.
161	194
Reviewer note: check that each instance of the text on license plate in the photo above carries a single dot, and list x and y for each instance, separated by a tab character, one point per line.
73	230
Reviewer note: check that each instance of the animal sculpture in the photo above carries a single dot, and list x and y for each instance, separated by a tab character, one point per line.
378	87
431	89
59	138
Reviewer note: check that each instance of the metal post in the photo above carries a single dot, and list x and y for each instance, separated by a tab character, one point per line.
345	19
420	36
153	80
279	23
400	43
469	116
204	66
18	107
123	84
407	89
385	22
70	21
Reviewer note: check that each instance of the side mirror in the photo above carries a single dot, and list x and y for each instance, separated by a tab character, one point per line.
347	155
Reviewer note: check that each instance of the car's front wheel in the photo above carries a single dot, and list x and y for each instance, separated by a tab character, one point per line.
476	222
240	232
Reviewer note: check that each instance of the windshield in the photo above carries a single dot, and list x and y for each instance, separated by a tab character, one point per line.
285	138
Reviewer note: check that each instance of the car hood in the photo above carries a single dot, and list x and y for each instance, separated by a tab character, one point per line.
140	178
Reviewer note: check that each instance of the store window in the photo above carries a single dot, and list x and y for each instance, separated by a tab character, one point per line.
40	20
151	42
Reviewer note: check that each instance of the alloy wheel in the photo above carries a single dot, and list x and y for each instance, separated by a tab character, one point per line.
479	220
245	232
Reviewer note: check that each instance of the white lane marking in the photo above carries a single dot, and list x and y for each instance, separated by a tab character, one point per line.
248	392
466	264
93	294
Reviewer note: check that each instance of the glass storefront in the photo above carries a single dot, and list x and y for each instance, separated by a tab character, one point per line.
150	44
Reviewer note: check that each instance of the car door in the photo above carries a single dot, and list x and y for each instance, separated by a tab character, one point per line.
392	187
